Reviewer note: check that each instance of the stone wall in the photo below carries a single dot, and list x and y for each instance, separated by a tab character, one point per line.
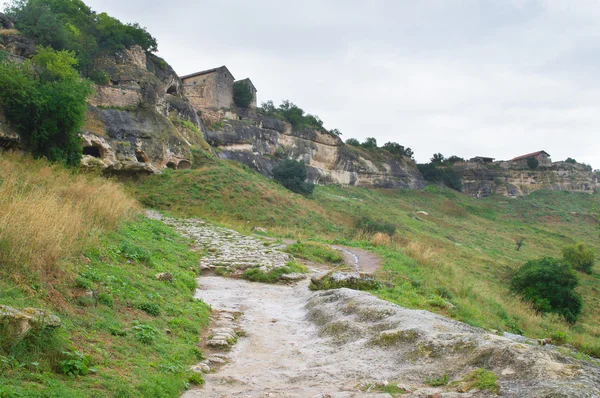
212	90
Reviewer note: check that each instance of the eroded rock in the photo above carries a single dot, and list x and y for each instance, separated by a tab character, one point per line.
17	322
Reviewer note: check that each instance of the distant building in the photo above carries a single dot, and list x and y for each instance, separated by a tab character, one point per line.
253	89
482	159
213	88
542	157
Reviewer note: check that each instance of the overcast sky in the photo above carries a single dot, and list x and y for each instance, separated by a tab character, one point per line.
496	78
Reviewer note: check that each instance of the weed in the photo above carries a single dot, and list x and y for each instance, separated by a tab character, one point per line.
150	308
437	381
316	252
75	364
144	333
482	379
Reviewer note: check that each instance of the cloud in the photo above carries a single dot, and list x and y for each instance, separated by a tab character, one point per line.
465	77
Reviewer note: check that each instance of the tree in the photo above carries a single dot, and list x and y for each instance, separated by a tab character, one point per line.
352	141
532	163
268	108
242	94
579	256
370	143
549	285
571	160
437	158
409	153
292	175
45	100
335	132
454	159
394	148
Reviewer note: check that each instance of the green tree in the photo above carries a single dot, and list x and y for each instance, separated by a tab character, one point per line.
335	132
45	100
579	256
549	285
532	163
292	175
242	94
571	160
394	148
369	143
409	153
437	158
352	141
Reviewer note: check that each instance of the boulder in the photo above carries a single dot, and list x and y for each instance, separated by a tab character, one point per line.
17	322
337	280
259	230
5	22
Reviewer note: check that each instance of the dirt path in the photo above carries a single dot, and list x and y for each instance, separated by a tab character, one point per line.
293	342
361	260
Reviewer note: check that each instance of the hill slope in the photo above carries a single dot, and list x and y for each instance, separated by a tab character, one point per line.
461	251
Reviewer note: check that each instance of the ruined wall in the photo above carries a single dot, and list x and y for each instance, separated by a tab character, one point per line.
224	89
121	97
201	90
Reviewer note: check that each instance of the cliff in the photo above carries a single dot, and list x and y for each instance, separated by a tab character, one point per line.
140	121
261	143
505	178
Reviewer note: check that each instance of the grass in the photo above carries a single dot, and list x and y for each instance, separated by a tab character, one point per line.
72	245
481	379
437	381
456	260
316	252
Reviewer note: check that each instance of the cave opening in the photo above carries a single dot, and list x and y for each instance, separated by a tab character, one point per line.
140	157
93	151
172	165
172	90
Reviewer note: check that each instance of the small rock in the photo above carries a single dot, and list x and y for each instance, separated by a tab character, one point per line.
200	368
217	343
168	331
20	321
164	276
259	229
423	213
214	359
296	276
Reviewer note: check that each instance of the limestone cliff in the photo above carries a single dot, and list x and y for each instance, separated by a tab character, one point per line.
140	121
261	143
507	179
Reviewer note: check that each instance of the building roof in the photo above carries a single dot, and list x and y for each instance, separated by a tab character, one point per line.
249	82
529	155
483	158
205	72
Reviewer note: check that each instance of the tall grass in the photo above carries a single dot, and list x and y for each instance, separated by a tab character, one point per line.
48	213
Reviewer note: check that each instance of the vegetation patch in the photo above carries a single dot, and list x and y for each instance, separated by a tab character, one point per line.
438	381
394	337
317	252
337	280
482	379
272	276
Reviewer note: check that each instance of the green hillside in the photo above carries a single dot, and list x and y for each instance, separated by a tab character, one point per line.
461	251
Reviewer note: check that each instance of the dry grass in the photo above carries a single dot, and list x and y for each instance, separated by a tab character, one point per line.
6	32
47	213
380	239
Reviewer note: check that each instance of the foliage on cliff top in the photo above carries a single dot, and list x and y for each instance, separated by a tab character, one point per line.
461	251
44	99
47	215
72	25
295	116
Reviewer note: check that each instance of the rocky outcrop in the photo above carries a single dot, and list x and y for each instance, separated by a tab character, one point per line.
140	122
261	143
8	137
16	322
505	178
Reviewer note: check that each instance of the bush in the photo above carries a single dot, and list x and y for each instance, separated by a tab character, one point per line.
370	143
371	226
353	142
532	163
45	100
549	285
150	308
571	160
292	175
242	94
293	114
580	257
74	364
144	333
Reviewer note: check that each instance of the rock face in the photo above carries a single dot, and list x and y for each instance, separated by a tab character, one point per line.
261	143
504	178
140	122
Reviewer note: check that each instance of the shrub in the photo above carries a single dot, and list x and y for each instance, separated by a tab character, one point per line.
150	308
242	94
571	160
293	114
579	256
371	226
369	143
481	379
45	100
144	333
532	163
394	148
549	285
292	175
438	381
74	364
352	141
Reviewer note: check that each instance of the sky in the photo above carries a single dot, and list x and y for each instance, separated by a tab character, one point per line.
497	78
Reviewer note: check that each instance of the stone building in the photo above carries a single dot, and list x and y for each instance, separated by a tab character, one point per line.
253	89
542	157
213	88
209	89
